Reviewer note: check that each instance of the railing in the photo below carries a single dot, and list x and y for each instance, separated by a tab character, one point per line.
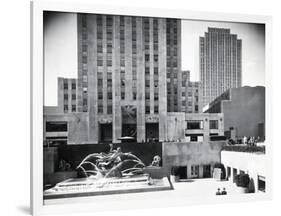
245	148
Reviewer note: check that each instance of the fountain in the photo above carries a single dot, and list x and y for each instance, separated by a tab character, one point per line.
108	173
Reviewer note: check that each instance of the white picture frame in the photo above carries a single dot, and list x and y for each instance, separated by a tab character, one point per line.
102	203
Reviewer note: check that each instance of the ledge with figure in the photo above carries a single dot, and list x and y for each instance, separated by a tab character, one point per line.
112	173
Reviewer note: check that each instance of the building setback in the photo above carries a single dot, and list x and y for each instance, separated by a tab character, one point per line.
220	63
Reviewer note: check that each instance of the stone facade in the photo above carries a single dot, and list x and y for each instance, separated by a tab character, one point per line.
244	111
191	94
196	160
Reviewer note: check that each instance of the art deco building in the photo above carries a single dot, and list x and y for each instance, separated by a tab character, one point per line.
129	75
220	63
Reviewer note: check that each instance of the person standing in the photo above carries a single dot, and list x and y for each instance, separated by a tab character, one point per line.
218	192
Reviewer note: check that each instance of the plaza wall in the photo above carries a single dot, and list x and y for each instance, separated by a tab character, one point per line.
191	153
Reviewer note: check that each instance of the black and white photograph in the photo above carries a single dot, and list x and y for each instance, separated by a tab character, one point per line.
157	106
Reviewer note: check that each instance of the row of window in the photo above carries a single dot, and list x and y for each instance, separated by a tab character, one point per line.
199	124
65	85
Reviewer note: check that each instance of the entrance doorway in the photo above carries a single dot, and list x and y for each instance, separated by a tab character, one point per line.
106	133
207	171
129	130
180	172
152	132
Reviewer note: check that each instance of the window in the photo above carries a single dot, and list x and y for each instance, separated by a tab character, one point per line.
155	70
156	109
65	97
84	36
84	59
99	62
99	47
109	95
147	57
73	97
156	58
99	82
193	125
84	48
73	85
122	60
56	126
146	70
84	22
73	108
100	109
109	109
100	95
147	109
195	170
99	35
147	95
109	48
214	124
109	63
65	85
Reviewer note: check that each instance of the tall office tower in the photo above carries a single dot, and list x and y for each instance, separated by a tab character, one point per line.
191	94
123	62
220	63
174	74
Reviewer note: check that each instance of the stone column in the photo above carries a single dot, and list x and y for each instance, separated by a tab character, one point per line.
128	59
140	82
104	67
162	80
93	132
179	80
201	171
151	66
116	90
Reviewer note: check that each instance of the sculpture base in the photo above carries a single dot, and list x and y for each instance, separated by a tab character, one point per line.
92	187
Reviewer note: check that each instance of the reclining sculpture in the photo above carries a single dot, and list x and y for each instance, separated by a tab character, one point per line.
113	164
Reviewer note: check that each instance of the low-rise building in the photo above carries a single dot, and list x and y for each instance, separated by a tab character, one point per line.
244	111
251	163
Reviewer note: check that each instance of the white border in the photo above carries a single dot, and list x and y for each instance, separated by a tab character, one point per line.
143	200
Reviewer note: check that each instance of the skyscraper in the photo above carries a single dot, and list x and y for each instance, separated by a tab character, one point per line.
220	63
123	65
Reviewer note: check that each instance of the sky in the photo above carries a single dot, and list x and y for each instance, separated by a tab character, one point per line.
253	48
60	50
